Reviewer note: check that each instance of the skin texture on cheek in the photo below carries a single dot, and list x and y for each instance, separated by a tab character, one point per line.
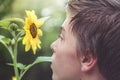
65	64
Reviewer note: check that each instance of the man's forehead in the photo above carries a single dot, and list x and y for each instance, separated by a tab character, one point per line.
67	25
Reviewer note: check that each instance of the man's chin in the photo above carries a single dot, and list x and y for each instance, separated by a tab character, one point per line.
54	77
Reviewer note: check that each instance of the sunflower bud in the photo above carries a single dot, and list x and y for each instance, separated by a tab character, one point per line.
13	26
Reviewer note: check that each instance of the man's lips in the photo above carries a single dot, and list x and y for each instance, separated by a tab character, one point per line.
51	65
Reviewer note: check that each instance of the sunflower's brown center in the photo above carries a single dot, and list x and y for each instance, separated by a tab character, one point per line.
33	30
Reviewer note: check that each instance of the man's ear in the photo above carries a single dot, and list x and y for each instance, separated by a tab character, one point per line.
88	62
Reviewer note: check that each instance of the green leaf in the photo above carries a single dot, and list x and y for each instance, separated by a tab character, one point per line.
4	23
42	20
42	59
20	20
10	64
2	41
1	36
13	41
20	39
38	60
20	66
6	40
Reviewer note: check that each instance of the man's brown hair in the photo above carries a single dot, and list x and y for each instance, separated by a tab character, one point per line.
97	28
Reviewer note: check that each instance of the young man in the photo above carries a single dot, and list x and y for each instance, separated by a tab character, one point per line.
89	44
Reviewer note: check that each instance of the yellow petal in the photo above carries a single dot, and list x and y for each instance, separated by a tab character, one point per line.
34	48
28	21
40	23
39	46
40	32
13	78
31	16
24	40
27	47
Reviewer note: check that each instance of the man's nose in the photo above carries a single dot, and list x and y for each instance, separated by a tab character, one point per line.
52	46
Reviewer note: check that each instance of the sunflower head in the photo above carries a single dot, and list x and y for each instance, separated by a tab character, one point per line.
32	31
13	78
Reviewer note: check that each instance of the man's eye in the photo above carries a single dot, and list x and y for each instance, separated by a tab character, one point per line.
60	37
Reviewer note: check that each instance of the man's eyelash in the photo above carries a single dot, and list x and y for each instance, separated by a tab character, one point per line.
59	36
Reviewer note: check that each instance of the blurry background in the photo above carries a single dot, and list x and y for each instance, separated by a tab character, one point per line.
16	8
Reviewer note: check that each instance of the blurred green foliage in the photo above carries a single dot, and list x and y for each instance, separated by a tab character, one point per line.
16	8
5	7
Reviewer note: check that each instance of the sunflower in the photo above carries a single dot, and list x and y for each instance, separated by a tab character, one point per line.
13	78
32	32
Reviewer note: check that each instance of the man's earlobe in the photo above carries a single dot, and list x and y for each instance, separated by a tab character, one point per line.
88	62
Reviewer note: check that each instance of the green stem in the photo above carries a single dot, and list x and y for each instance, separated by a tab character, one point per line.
19	34
15	61
10	51
38	60
16	19
26	69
